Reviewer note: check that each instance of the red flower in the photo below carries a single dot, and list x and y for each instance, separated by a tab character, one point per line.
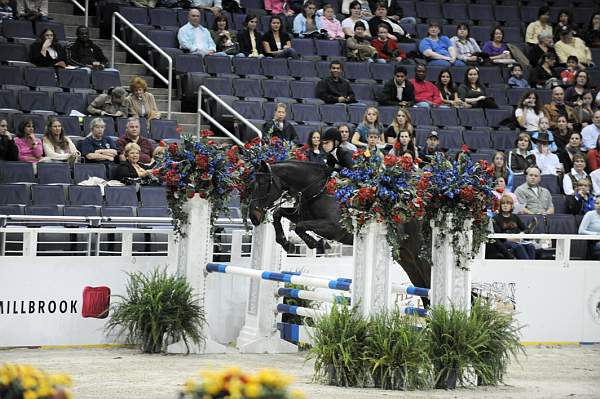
202	194
201	161
211	142
467	194
205	176
274	140
366	194
155	172
389	160
206	133
173	148
407	162
190	194
396	218
464	148
420	212
397	145
331	186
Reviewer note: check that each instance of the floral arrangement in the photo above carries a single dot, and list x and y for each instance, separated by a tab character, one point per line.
26	382
380	188
458	195
235	384
199	167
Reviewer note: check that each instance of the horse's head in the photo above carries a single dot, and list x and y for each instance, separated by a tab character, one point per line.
265	192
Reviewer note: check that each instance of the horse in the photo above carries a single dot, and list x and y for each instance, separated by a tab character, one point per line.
318	211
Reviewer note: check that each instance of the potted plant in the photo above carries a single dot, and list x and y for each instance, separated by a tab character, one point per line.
457	345
157	309
396	351
503	341
338	346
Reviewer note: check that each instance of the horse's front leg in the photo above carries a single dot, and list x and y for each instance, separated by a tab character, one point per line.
279	233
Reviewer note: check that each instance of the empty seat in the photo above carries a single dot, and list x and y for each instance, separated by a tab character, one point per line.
428	10
305	112
496	116
12	209
301	68
64	103
104	80
454	11
163	17
276	88
135	15
249	109
7	100
498	94
118	211
189	63
11	75
42	194
89	211
17	172
274	66
246	66
504	13
153	212
481	12
333	113
303	89
85	195
477	138
120	196
303	46
70	124
356	112
153	196
362	91
450	138
164	38
444	117
387	114
54	172
328	48
14	194
382	72
30	100
73	78
540	224
560	203
43	210
13	52
561	224
420	116
217	64
490	75
551	183
219	86
164	129
504	139
37	76
83	171
471	117
12	28
357	70
247	87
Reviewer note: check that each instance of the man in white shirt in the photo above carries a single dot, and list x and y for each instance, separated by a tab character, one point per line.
546	161
591	132
195	38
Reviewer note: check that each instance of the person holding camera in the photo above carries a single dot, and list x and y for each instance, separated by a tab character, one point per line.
387	49
529	112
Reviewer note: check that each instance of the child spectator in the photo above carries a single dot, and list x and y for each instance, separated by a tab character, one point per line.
516	77
359	47
373	143
543	129
370	122
330	23
387	49
568	75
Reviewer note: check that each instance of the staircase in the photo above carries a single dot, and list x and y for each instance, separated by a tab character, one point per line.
62	11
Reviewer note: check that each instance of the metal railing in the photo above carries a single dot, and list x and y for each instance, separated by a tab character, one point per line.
84	8
114	38
202	113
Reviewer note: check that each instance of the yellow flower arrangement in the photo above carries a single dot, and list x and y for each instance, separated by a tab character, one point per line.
26	382
235	384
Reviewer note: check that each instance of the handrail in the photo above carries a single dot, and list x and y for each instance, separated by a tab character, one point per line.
202	113
85	9
88	220
168	81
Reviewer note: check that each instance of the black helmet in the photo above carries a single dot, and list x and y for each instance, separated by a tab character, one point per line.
332	134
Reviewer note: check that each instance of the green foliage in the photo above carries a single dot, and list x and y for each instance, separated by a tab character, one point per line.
157	309
338	347
397	352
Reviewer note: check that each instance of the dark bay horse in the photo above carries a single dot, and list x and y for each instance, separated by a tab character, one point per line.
317	211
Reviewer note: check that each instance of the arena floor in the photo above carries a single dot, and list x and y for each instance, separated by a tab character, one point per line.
546	372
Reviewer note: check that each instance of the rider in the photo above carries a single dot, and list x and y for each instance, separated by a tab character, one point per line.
337	157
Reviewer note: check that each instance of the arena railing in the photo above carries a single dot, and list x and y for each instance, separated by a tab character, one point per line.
85	9
203	113
114	38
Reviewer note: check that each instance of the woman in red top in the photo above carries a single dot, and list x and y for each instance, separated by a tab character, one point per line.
387	49
593	157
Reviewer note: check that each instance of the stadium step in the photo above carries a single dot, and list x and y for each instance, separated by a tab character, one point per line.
131	69
70	29
60	7
187	118
162	106
126	79
69	19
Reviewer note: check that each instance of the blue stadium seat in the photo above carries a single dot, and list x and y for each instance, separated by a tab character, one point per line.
13	52
499	95
356	112
477	138
362	91
246	66
303	46
70	124
356	70
328	48
471	117
551	182
42	194
120	196
333	113
17	194
444	117
249	109
560	203
11	75
153	212
30	100
189	63
385	72
104	80
274	66
276	88
12	28
85	195
420	116
303	89
83	171
64	103
43	210
454	11
427	10
217	64
387	114
164	129
17	172
322	68
495	116
164	38
504	140
54	173
37	76
561	224
451	138
505	13
153	196
163	17
7	100
81	210
301	68
481	12
247	87
540	227
305	112
219	86
135	15
12	209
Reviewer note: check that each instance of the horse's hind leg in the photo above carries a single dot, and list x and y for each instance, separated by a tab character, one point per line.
279	233
324	228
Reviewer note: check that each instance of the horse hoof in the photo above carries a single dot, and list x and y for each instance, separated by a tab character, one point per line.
322	246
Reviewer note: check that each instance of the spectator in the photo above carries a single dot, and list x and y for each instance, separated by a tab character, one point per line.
6	11
529	111
438	50
112	104
85	53
467	49
132	135
536	200
592	34
131	170
575	93
365	8
348	24
276	43
506	222
395	31
307	24
8	148
224	38
398	91
276	7
314	152
595	176
566	154
544	75
373	144
543	128
57	146
195	38
32	9
591	133
568	75
426	93
369	123
545	161
279	126
584	108
431	148
591	225
564	20
387	49
545	45
541	25
249	38
516	79
404	145
345	137
521	158
593	159
335	89
448	90
582	200
501	170
330	23
213	6
358	47
140	103
393	11
562	133
337	156
501	190
29	146
46	51
473	93
569	45
96	147
558	107
401	123
496	49
577	173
